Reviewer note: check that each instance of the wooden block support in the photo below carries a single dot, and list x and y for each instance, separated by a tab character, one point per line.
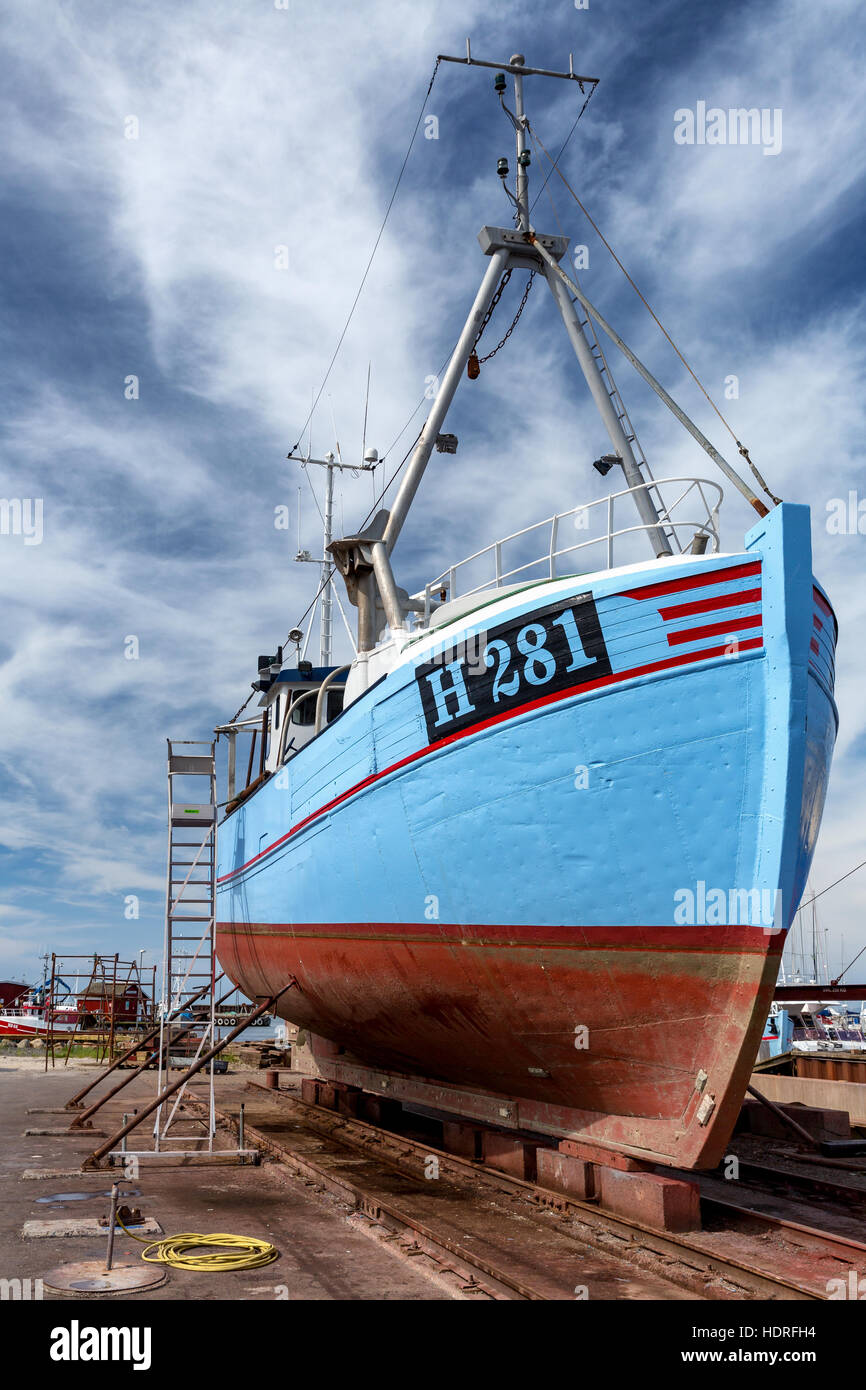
381	1110
563	1172
608	1158
664	1204
463	1140
516	1157
823	1124
349	1100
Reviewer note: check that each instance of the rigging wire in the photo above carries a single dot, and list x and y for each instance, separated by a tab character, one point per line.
554	167
814	898
321	589
318	396
313	491
631	432
562	146
308	421
395	441
397	470
378	500
848	966
370	260
420	404
366	410
740	446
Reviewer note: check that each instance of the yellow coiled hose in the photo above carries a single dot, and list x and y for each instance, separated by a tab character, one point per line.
220	1254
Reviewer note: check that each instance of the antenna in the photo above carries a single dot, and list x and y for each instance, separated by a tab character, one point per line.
366	408
336	440
517	67
329	463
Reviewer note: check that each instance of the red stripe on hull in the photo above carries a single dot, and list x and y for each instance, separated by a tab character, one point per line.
822	603
700	940
709	605
729	626
669	663
694	581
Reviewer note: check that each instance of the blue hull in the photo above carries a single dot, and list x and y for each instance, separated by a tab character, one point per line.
561	875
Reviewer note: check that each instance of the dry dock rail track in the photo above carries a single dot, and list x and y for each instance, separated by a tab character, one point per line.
502	1237
361	1211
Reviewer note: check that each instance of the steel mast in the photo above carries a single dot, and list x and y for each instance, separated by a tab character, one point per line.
364	559
508	247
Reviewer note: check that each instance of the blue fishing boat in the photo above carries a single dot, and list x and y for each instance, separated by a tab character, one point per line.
531	856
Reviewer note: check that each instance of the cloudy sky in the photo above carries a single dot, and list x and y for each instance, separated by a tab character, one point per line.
191	195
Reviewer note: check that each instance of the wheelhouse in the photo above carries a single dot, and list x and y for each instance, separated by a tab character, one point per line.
296	703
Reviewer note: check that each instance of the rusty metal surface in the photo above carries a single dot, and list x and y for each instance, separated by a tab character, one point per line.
742	1240
742	1256
499	1029
195	1066
91	1279
830	1067
531	1259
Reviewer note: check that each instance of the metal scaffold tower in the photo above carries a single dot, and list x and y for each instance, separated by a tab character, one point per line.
189	956
188	1007
113	1004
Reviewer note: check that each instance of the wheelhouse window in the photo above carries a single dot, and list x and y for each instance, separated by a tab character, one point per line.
304	710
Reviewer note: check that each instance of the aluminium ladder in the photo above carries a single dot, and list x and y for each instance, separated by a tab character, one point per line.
189	957
190	976
597	351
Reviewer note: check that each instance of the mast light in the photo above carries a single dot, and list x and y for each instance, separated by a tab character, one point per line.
606	463
446	443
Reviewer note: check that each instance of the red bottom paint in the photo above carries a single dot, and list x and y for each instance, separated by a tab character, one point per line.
640	1038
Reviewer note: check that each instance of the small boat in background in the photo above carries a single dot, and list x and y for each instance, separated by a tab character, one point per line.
36	1012
813	1025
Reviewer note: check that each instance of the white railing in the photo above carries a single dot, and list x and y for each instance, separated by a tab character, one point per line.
680	530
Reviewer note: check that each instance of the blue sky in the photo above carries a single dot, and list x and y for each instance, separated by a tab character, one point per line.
261	127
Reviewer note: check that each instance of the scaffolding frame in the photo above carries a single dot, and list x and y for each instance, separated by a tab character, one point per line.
188	993
110	977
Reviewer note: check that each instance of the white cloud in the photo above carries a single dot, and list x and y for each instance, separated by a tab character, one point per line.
261	128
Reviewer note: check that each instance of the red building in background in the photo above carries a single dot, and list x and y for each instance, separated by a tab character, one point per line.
100	998
10	990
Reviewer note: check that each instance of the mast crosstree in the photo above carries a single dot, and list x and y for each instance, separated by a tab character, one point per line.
365	559
326	594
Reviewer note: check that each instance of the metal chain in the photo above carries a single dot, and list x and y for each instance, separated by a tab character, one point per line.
493	303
